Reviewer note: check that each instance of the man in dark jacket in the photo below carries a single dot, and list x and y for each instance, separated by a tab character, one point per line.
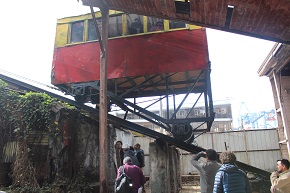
229	178
119	154
130	153
139	153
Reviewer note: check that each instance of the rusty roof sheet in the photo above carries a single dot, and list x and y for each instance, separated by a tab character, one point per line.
278	59
257	18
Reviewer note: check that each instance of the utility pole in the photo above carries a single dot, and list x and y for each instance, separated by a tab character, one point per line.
103	116
103	128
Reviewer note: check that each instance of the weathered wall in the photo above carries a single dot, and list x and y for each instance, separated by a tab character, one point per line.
88	143
125	136
281	92
164	168
112	168
174	169
259	148
76	148
159	171
280	129
88	149
276	68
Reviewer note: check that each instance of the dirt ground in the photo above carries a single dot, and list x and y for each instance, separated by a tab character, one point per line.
190	184
185	189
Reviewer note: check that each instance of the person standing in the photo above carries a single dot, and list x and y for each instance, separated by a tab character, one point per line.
133	172
139	153
128	152
229	178
206	169
119	153
280	179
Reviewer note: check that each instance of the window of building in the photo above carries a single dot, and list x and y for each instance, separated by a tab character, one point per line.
92	34
115	26
176	24
77	32
216	110
164	114
223	110
154	24
135	24
182	113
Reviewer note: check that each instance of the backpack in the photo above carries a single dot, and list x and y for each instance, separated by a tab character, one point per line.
123	184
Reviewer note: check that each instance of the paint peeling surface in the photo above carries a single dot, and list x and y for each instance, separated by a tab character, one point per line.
154	56
175	51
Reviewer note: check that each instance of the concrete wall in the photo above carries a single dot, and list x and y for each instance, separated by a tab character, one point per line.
164	168
125	136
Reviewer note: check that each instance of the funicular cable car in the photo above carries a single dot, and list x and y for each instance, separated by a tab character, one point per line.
147	57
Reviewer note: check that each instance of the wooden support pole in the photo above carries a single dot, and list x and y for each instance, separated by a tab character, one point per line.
103	129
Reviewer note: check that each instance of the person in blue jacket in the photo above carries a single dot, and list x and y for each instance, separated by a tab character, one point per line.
229	178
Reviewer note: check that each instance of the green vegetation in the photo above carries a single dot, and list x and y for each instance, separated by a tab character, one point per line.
21	114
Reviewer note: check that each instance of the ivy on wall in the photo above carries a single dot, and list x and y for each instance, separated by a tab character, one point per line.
28	111
21	113
33	112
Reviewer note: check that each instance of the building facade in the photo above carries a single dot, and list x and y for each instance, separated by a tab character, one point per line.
276	67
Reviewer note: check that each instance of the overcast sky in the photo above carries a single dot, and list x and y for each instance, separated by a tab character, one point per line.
27	39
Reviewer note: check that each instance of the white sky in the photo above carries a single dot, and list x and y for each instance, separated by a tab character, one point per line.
27	41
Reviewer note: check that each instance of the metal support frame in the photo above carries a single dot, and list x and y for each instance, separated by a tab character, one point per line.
185	97
179	127
138	86
118	122
209	93
171	123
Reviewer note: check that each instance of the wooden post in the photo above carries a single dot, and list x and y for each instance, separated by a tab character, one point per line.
103	129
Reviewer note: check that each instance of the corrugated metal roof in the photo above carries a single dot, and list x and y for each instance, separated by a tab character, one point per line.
278	58
263	19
